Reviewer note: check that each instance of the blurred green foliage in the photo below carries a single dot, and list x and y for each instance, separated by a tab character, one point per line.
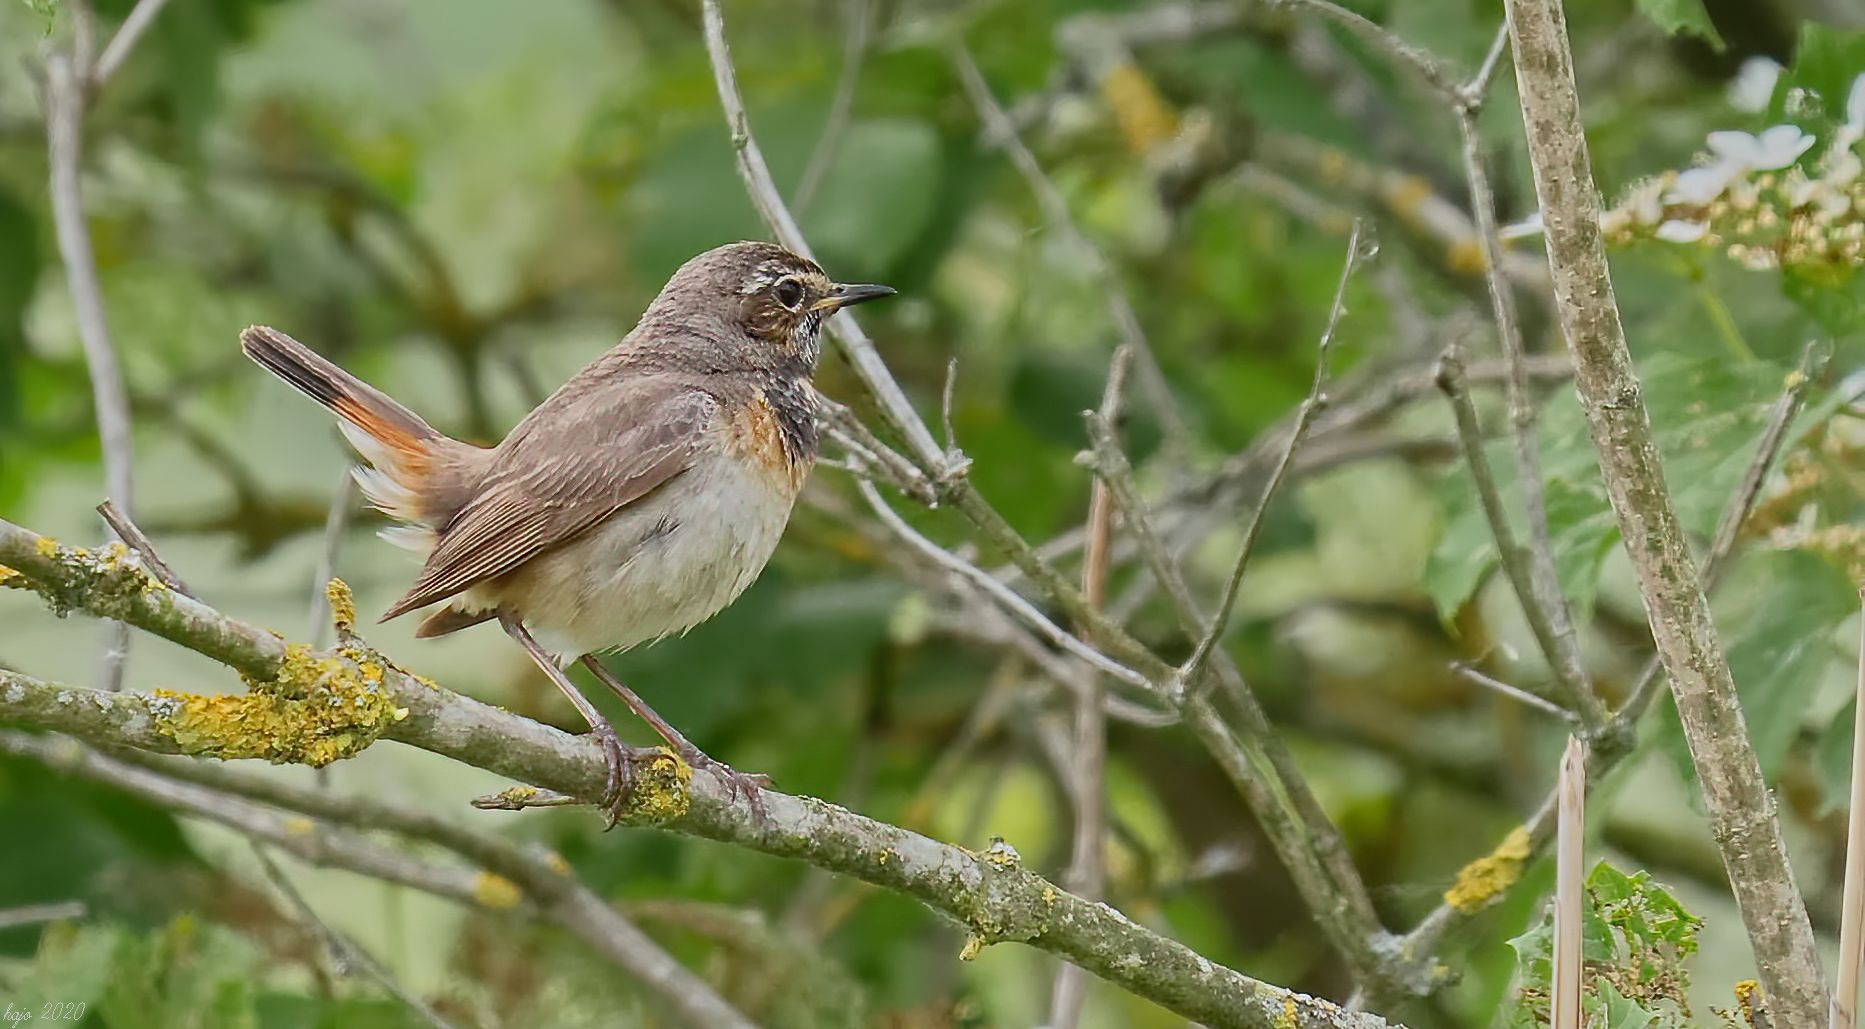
463	201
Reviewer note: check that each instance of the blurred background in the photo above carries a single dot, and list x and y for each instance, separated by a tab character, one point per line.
464	201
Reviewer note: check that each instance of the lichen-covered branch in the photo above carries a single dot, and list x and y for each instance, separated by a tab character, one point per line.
1742	812
990	893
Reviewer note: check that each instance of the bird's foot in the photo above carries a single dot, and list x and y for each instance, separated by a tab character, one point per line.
748	785
621	774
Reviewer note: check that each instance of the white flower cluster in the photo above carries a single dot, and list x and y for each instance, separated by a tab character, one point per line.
1750	197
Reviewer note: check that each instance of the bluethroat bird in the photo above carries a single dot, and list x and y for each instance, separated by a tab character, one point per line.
638	500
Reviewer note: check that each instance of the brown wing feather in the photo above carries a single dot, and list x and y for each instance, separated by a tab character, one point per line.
580	457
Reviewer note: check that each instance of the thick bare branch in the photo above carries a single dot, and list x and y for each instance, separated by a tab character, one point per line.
1742	812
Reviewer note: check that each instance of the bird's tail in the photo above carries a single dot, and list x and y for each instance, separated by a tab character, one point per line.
402	449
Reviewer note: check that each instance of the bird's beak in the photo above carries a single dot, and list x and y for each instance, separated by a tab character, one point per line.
847	294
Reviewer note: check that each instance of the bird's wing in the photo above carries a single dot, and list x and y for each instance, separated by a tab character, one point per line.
571	465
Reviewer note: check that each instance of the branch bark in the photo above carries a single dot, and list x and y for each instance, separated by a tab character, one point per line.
990	893
1742	812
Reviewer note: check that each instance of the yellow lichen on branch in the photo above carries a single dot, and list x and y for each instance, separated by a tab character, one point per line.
1146	120
104	581
1486	878
342	606
1748	995
659	792
320	708
496	891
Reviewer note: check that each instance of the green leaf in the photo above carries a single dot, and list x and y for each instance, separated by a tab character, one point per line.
1675	16
1464	555
1638	934
1778	619
1826	60
1615	1011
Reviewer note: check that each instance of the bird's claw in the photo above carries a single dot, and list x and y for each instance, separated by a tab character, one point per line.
621	775
749	786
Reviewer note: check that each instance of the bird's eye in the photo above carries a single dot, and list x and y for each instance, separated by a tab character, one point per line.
789	292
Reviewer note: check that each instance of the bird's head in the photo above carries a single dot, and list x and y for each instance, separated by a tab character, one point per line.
770	298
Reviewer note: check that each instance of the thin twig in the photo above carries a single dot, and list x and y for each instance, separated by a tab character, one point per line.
1304	417
1186	513
1004	595
1519	563
1420	61
1086	762
1307	841
137	540
348	953
34	914
1852	906
860	13
1475	90
1569	887
943	471
127	36
1537	583
64	131
1477	677
948	398
894	405
336	528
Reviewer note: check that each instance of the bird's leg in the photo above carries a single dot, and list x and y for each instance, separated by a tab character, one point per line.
749	784
621	773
